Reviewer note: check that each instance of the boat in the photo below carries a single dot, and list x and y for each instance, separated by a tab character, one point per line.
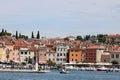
103	68
64	71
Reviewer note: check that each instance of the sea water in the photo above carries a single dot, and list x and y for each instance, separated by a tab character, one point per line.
55	75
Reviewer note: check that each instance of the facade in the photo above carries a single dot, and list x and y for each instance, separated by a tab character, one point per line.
113	38
90	56
42	55
2	53
61	53
75	55
115	56
15	55
105	57
26	54
99	53
51	56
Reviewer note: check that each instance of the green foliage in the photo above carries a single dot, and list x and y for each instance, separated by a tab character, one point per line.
28	60
38	35
85	61
87	37
32	35
101	38
66	39
79	38
114	62
23	37
16	36
4	32
50	63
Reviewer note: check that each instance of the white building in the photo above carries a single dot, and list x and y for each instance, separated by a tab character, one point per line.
61	53
25	53
115	56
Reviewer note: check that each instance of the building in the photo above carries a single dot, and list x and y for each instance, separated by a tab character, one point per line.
51	56
61	53
115	56
42	55
113	38
105	57
75	55
99	53
71	37
90	56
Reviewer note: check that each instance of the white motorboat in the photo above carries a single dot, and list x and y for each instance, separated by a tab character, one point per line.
103	68
63	71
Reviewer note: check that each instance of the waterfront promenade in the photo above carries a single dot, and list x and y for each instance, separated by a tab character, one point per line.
24	71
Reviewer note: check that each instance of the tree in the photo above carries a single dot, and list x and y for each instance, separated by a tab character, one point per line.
101	38
79	38
19	35
16	36
50	63
87	37
38	35
29	60
114	62
32	35
66	39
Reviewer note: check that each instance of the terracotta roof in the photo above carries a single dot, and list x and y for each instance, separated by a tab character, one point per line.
113	36
93	47
33	49
20	42
70	37
7	42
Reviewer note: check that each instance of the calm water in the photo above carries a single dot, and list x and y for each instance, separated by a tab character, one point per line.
55	75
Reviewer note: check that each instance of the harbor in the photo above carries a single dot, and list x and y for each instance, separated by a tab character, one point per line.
55	75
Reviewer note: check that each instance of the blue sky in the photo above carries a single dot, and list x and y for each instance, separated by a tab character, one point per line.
60	18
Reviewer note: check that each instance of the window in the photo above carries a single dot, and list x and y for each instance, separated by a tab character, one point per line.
76	50
112	56
21	52
72	59
61	49
72	55
60	54
49	59
41	54
49	54
58	49
26	53
64	54
57	54
117	55
64	59
57	59
61	59
71	50
53	55
76	54
44	54
76	60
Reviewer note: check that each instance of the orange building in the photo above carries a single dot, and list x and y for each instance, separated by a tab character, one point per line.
75	55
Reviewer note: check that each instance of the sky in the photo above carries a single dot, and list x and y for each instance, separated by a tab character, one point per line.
60	18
